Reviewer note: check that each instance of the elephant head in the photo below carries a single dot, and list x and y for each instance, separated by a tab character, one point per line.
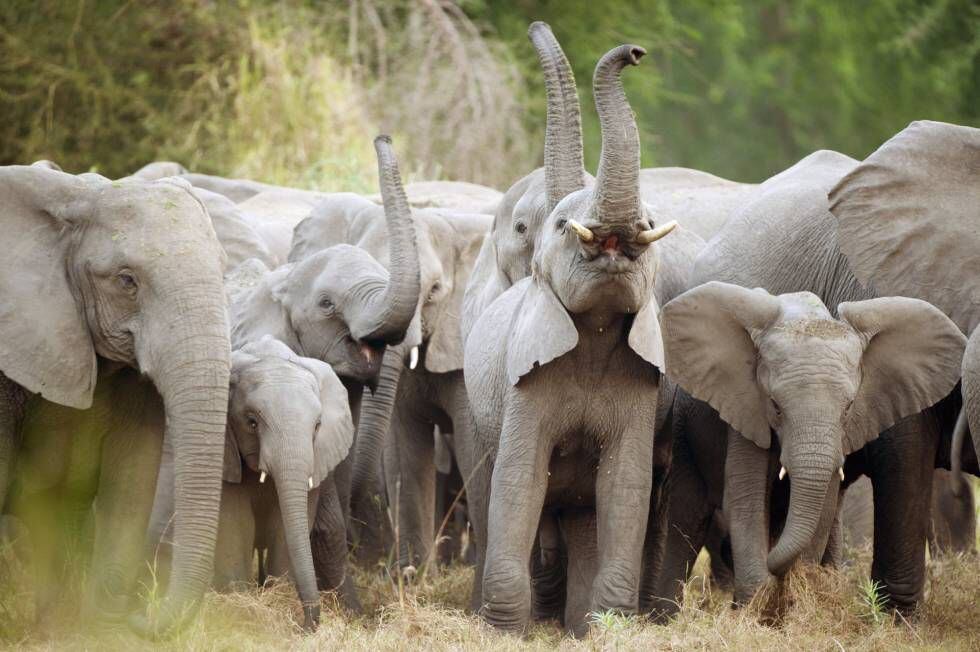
129	271
340	305
909	223
505	256
825	386
288	419
593	254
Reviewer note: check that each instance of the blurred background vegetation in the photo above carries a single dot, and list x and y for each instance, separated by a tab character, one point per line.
292	92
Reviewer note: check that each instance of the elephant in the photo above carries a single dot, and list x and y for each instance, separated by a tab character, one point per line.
101	284
700	202
907	217
233	228
764	364
459	196
785	240
159	170
953	525
559	370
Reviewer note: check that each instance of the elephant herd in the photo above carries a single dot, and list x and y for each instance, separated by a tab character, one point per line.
619	370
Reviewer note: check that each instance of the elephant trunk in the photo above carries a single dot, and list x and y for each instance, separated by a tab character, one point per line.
293	487
390	312
371	432
971	387
189	362
617	188
564	163
812	465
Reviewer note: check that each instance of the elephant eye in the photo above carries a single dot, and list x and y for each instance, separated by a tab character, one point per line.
326	304
520	227
436	287
561	224
126	280
252	422
775	407
316	428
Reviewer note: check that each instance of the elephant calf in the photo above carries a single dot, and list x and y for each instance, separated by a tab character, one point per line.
764	364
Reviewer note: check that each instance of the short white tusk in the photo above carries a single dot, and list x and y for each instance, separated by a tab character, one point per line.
841	470
311	482
413	357
782	472
652	235
262	477
584	234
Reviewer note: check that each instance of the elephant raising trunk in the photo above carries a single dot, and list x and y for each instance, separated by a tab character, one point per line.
564	163
393	309
617	189
812	464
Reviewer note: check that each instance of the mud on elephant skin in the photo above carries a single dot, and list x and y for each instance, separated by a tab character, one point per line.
99	275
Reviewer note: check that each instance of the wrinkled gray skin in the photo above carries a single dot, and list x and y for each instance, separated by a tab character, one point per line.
909	220
784	240
447	246
825	386
560	368
455	195
954	517
700	202
237	237
99	276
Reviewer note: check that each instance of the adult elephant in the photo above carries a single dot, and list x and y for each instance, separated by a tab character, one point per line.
909	222
99	275
824	386
700	202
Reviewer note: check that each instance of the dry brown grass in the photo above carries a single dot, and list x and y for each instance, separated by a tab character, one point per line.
825	610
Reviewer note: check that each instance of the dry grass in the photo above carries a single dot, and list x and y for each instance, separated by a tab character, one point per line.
826	610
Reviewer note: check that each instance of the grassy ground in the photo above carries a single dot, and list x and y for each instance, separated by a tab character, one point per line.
825	610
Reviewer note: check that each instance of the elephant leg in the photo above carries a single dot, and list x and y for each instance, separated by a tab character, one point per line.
901	468
719	549
411	479
159	533
746	508
579	527
953	523
623	483
518	486
833	555
548	570
13	400
325	528
130	460
332	572
236	538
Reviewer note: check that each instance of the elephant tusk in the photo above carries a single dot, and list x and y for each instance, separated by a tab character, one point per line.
413	357
652	235
311	482
584	234
262	477
841	471
782	472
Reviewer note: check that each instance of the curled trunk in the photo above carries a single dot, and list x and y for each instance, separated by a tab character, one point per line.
617	186
564	164
389	313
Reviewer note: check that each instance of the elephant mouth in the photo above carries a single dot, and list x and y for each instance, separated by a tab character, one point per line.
359	361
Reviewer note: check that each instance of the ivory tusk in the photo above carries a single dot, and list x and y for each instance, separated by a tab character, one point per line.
311	482
262	477
782	472
584	234
652	235
841	470
413	357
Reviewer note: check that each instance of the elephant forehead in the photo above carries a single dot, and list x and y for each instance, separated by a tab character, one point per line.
271	373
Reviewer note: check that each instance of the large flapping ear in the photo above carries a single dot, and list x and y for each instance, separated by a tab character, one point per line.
909	218
45	344
333	440
542	331
911	360
444	352
710	351
645	337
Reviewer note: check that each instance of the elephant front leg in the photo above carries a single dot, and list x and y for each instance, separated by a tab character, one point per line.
12	403
330	549
746	507
623	484
518	486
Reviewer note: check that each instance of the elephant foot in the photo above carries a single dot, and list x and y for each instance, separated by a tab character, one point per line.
311	617
163	621
507	601
770	601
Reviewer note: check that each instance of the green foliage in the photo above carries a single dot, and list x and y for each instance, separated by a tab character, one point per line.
873	600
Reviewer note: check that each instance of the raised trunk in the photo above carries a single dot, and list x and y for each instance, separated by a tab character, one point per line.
617	186
564	166
293	490
389	313
189	364
372	429
812	465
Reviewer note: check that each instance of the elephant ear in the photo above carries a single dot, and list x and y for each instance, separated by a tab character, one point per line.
542	331
709	341
911	360
909	218
45	344
645	338
334	439
444	352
